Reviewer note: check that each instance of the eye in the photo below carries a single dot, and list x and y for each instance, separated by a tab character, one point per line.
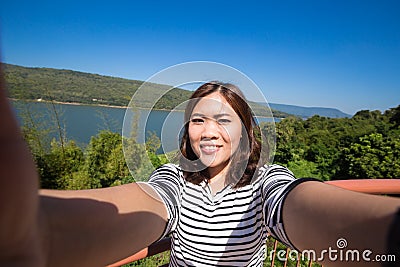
224	121
197	120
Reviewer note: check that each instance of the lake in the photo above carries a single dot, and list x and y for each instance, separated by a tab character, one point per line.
81	122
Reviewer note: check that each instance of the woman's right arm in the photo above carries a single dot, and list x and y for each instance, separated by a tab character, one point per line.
101	226
67	228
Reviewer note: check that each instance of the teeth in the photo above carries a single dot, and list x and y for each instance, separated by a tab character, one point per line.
210	148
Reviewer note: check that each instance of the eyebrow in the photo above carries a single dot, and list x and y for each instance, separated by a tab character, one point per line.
215	116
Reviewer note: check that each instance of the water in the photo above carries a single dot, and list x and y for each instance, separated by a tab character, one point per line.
81	122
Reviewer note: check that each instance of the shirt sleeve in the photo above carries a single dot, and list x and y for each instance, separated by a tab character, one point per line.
277	182
166	182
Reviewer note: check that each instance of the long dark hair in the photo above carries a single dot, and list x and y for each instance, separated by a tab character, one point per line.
247	156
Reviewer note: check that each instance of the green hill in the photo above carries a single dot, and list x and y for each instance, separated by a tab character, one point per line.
86	88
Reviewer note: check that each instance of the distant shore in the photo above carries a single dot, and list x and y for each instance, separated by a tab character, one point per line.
83	104
101	105
66	103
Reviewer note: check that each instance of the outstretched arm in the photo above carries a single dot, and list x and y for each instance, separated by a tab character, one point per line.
317	215
101	226
67	228
19	242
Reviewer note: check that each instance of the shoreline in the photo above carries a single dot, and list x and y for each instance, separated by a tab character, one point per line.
66	103
83	104
103	105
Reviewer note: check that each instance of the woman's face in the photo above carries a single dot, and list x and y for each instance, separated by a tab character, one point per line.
214	131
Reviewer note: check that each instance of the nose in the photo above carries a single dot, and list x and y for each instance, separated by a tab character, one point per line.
210	130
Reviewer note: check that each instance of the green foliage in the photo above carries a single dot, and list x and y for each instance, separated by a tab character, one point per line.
394	116
373	156
364	146
98	155
115	167
57	167
303	168
153	261
100	164
153	143
289	145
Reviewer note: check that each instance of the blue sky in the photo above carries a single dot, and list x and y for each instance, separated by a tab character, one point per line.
340	54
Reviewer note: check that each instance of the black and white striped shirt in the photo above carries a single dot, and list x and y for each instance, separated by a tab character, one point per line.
226	229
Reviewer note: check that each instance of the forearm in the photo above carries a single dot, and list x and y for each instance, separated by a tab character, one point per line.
74	228
19	242
316	215
99	227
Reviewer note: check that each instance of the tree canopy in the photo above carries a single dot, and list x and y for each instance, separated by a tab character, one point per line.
364	146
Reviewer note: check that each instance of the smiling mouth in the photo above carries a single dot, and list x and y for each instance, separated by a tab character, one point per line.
210	148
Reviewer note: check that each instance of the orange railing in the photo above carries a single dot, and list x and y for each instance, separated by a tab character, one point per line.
370	186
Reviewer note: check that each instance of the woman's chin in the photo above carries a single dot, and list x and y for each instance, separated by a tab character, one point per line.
213	163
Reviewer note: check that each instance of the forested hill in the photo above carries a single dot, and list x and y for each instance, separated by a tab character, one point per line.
86	88
76	87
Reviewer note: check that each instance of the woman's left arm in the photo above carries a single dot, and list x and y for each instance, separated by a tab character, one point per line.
316	216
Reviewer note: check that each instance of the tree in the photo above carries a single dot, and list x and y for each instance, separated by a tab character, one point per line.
289	146
394	116
153	143
57	167
116	168
373	156
98	154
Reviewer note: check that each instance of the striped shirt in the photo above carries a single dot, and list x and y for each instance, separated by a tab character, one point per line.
226	229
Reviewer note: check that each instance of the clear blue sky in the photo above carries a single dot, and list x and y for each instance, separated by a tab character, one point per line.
341	54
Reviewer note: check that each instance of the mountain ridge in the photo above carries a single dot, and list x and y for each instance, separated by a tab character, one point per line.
32	83
307	112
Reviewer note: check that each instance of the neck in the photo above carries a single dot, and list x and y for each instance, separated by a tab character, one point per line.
215	172
217	178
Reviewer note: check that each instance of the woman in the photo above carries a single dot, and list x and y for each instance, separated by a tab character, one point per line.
219	205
